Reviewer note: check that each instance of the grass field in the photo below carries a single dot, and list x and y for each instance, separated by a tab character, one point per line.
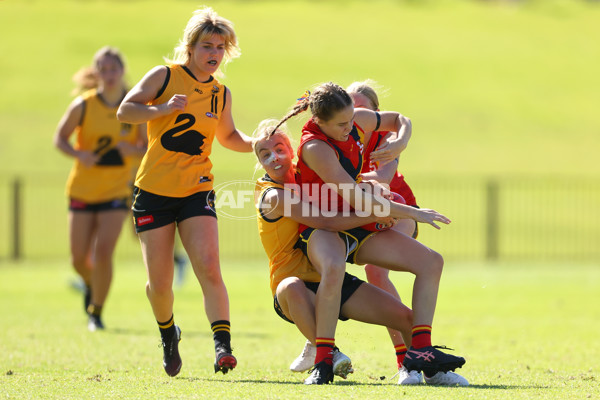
496	88
527	331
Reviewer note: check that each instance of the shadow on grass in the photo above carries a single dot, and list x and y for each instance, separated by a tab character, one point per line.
276	382
504	387
129	332
364	384
501	387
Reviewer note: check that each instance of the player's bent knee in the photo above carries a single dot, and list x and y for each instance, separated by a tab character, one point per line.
437	263
208	272
205	261
404	314
293	296
159	288
290	285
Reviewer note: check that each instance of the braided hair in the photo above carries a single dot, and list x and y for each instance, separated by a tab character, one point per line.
324	102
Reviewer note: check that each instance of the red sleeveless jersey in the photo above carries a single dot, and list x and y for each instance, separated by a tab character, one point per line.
349	154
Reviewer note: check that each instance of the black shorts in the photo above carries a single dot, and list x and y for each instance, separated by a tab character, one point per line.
151	211
116	204
353	238
349	286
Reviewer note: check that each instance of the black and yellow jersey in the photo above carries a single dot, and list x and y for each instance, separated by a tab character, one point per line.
99	131
278	237
177	162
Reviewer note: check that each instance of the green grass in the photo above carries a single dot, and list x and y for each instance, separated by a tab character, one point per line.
527	331
493	89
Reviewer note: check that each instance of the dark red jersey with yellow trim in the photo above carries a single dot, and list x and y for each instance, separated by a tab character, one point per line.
350	157
349	154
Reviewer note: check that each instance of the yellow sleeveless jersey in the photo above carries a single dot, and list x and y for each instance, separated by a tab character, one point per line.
176	163
278	237
100	131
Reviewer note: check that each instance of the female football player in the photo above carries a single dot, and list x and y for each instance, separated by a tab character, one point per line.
329	165
294	281
99	185
364	96
186	107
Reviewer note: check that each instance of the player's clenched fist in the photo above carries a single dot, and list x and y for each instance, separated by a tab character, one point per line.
177	102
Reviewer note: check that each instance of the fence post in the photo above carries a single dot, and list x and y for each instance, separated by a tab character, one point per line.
16	219
492	220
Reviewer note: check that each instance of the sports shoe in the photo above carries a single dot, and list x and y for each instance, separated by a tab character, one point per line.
431	360
342	366
224	360
406	377
446	379
95	323
320	374
306	359
171	359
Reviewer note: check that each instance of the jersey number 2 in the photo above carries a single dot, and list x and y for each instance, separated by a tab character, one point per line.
108	156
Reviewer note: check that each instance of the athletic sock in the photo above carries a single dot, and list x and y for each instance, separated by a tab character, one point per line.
222	334
400	354
87	296
167	329
421	336
94	310
324	350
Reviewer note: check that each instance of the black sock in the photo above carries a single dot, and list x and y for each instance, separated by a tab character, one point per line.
87	297
167	329
221	334
94	310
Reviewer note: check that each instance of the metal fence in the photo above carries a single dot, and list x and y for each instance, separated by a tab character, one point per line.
538	218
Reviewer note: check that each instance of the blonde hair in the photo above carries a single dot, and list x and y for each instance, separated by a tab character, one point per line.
266	129
366	88
205	23
87	77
